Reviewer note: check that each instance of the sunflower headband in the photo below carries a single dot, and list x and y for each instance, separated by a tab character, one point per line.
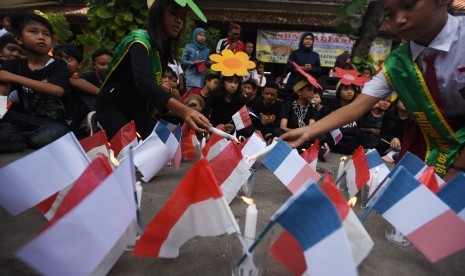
230	64
183	3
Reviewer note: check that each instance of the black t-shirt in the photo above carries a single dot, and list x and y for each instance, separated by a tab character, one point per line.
40	105
219	111
288	111
261	110
91	77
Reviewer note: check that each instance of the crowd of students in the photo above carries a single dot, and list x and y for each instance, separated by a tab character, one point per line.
50	96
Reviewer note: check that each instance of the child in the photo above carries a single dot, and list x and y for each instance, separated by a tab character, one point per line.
9	48
226	100
268	108
100	60
40	81
320	110
249	90
370	124
260	77
133	84
392	127
196	58
81	101
427	28
211	83
194	101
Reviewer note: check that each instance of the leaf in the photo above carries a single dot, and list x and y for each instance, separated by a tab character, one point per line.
127	16
354	8
104	12
355	23
357	60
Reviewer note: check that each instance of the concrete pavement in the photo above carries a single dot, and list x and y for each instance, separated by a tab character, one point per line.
211	256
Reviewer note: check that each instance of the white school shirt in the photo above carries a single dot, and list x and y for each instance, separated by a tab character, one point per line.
449	66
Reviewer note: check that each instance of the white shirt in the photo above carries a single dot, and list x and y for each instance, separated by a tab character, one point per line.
176	68
449	66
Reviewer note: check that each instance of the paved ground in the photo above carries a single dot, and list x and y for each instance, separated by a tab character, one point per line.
211	256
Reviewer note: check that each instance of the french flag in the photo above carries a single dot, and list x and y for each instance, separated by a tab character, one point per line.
423	218
358	172
310	217
377	167
252	145
123	140
187	142
95	144
336	135
28	181
453	194
196	208
289	167
150	156
89	233
230	171
241	118
311	154
214	146
172	140
416	167
289	253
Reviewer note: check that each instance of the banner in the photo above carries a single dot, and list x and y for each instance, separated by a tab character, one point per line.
275	46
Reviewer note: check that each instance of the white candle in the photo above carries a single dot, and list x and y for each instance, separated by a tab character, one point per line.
262	152
340	171
373	181
223	134
204	141
138	193
251	221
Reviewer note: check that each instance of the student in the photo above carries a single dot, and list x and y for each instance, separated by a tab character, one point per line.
260	77
427	28
223	102
196	58
133	85
249	48
393	127
249	90
40	81
370	123
194	101
211	83
9	48
320	110
100	60
231	42
268	108
177	69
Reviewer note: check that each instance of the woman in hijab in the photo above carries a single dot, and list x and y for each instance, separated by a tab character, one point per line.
196	59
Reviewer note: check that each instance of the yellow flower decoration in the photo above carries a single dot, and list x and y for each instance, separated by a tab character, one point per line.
230	64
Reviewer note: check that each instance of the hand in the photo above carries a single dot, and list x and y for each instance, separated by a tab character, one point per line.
196	120
233	46
395	143
307	67
296	137
228	128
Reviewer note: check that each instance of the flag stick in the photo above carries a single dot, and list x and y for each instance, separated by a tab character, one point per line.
340	177
256	242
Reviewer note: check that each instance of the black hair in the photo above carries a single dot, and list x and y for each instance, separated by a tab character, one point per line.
69	50
19	22
212	76
5	39
220	91
170	70
252	83
354	87
101	52
272	84
155	24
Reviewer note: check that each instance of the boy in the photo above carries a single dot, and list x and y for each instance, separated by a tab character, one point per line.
211	83
100	60
41	82
430	31
9	48
249	90
268	108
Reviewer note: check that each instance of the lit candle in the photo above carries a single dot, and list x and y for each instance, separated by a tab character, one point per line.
138	193
262	152
204	141
223	134
340	171
250	219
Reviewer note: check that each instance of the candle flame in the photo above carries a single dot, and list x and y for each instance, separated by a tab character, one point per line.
352	201
113	159
241	139
343	158
248	200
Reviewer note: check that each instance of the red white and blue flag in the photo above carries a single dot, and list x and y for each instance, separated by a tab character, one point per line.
310	217
311	154
416	167
337	135
423	218
28	181
453	194
150	156
358	172
196	208
172	140
95	215
289	167
123	140
241	118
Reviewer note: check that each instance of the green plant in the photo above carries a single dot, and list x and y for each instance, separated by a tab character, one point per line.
61	30
364	63
350	17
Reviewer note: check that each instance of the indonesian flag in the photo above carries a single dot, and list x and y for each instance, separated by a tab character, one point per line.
289	167
95	144
289	253
28	181
187	142
453	194
123	140
311	154
423	218
150	156
88	234
337	135
230	171
214	146
242	118
357	171
171	139
313	221
5	104
253	144
196	208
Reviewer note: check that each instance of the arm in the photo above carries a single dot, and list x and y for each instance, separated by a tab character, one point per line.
316	68
41	87
283	125
349	113
84	86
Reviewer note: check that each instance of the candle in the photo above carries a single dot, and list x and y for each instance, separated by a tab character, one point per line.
250	219
374	181
204	141
138	193
223	134
262	152
340	171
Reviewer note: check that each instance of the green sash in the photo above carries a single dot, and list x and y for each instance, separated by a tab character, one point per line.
405	77
136	36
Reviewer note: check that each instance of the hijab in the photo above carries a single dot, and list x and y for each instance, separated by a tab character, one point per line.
301	45
196	32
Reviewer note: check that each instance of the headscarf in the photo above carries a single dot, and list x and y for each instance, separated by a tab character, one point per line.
196	32
301	45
